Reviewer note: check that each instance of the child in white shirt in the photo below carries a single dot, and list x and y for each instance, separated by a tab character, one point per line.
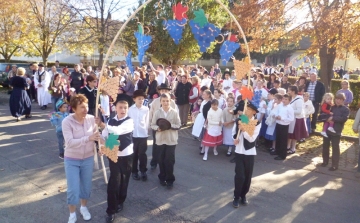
105	105
309	110
271	121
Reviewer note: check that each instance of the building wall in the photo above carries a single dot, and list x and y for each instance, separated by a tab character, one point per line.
350	64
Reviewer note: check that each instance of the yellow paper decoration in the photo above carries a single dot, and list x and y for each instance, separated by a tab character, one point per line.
241	68
112	154
111	86
250	127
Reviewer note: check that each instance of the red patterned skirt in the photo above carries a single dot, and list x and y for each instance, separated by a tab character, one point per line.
212	141
300	130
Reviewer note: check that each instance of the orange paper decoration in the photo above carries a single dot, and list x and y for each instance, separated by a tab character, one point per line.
246	93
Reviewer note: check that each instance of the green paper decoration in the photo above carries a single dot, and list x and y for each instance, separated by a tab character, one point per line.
112	141
244	119
200	18
140	29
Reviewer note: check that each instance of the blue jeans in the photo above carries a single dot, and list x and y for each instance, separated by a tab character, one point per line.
53	101
60	138
308	125
79	179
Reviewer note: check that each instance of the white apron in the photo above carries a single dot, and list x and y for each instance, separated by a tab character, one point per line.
199	121
227	136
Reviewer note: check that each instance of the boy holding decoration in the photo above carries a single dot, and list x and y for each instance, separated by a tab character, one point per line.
245	152
118	135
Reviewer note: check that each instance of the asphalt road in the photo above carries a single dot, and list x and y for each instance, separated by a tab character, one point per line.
33	186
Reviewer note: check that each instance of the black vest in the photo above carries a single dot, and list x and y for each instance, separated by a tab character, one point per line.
247	145
126	139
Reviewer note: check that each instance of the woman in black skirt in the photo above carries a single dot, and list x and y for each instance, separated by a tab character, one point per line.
20	103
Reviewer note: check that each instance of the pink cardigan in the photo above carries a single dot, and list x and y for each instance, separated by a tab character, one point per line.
76	135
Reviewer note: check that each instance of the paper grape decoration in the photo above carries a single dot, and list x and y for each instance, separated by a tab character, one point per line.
250	126
203	31
111	86
111	147
143	43
228	48
241	68
176	27
129	63
256	99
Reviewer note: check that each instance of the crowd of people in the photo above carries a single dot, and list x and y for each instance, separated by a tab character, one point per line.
164	99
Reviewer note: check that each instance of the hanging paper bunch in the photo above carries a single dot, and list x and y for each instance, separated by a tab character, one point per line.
228	48
129	63
111	147
143	42
176	27
203	31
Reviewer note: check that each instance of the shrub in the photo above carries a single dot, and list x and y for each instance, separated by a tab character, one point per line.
354	77
354	87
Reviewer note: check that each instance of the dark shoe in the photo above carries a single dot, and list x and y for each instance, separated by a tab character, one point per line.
235	203
202	153
135	176
333	168
232	160
61	156
290	151
143	176
244	202
45	106
273	153
120	207
278	158
162	183
110	218
228	153
153	167
169	185
324	164
28	116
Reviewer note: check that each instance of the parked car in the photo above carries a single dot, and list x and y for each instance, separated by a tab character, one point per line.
4	70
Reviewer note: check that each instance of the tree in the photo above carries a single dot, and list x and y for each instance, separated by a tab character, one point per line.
163	47
14	27
98	27
332	25
52	23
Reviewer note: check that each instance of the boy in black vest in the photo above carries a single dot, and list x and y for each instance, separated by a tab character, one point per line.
245	152
123	126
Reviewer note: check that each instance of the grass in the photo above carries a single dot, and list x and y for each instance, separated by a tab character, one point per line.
347	128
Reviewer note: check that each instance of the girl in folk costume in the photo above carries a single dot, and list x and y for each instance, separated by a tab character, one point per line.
227	83
42	81
218	95
271	121
196	109
264	110
213	135
309	110
198	127
56	89
194	91
229	120
297	128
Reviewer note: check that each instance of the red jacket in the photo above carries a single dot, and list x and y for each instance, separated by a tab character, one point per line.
192	101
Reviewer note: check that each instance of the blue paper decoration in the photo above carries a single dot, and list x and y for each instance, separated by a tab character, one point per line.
256	99
175	29
227	50
204	35
143	43
129	63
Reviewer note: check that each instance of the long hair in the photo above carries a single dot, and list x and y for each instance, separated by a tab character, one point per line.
326	96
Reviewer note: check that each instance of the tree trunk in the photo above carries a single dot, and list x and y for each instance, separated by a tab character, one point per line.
7	58
101	55
45	59
327	59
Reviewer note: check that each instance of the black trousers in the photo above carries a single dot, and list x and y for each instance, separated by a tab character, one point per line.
140	147
281	140
244	166
335	143
118	183
154	159
315	115
166	160
33	92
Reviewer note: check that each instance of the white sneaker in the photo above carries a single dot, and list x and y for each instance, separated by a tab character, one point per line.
324	134
85	213
72	219
331	129
205	158
216	152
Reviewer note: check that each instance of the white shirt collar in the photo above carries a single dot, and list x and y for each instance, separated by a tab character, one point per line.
116	118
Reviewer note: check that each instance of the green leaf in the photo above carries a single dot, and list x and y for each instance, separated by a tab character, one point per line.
244	119
200	18
112	141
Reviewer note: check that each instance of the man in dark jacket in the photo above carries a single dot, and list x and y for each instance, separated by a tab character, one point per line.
316	90
182	99
76	79
339	117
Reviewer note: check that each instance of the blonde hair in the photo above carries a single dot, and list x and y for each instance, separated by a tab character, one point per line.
20	71
196	79
326	96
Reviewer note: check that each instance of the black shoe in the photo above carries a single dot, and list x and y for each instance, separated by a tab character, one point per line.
228	153
244	202
28	116
61	156
153	167
324	164
45	106
202	153
162	183
110	218
169	185
232	160
273	153
333	168
120	207
235	203
278	158
135	176
144	176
